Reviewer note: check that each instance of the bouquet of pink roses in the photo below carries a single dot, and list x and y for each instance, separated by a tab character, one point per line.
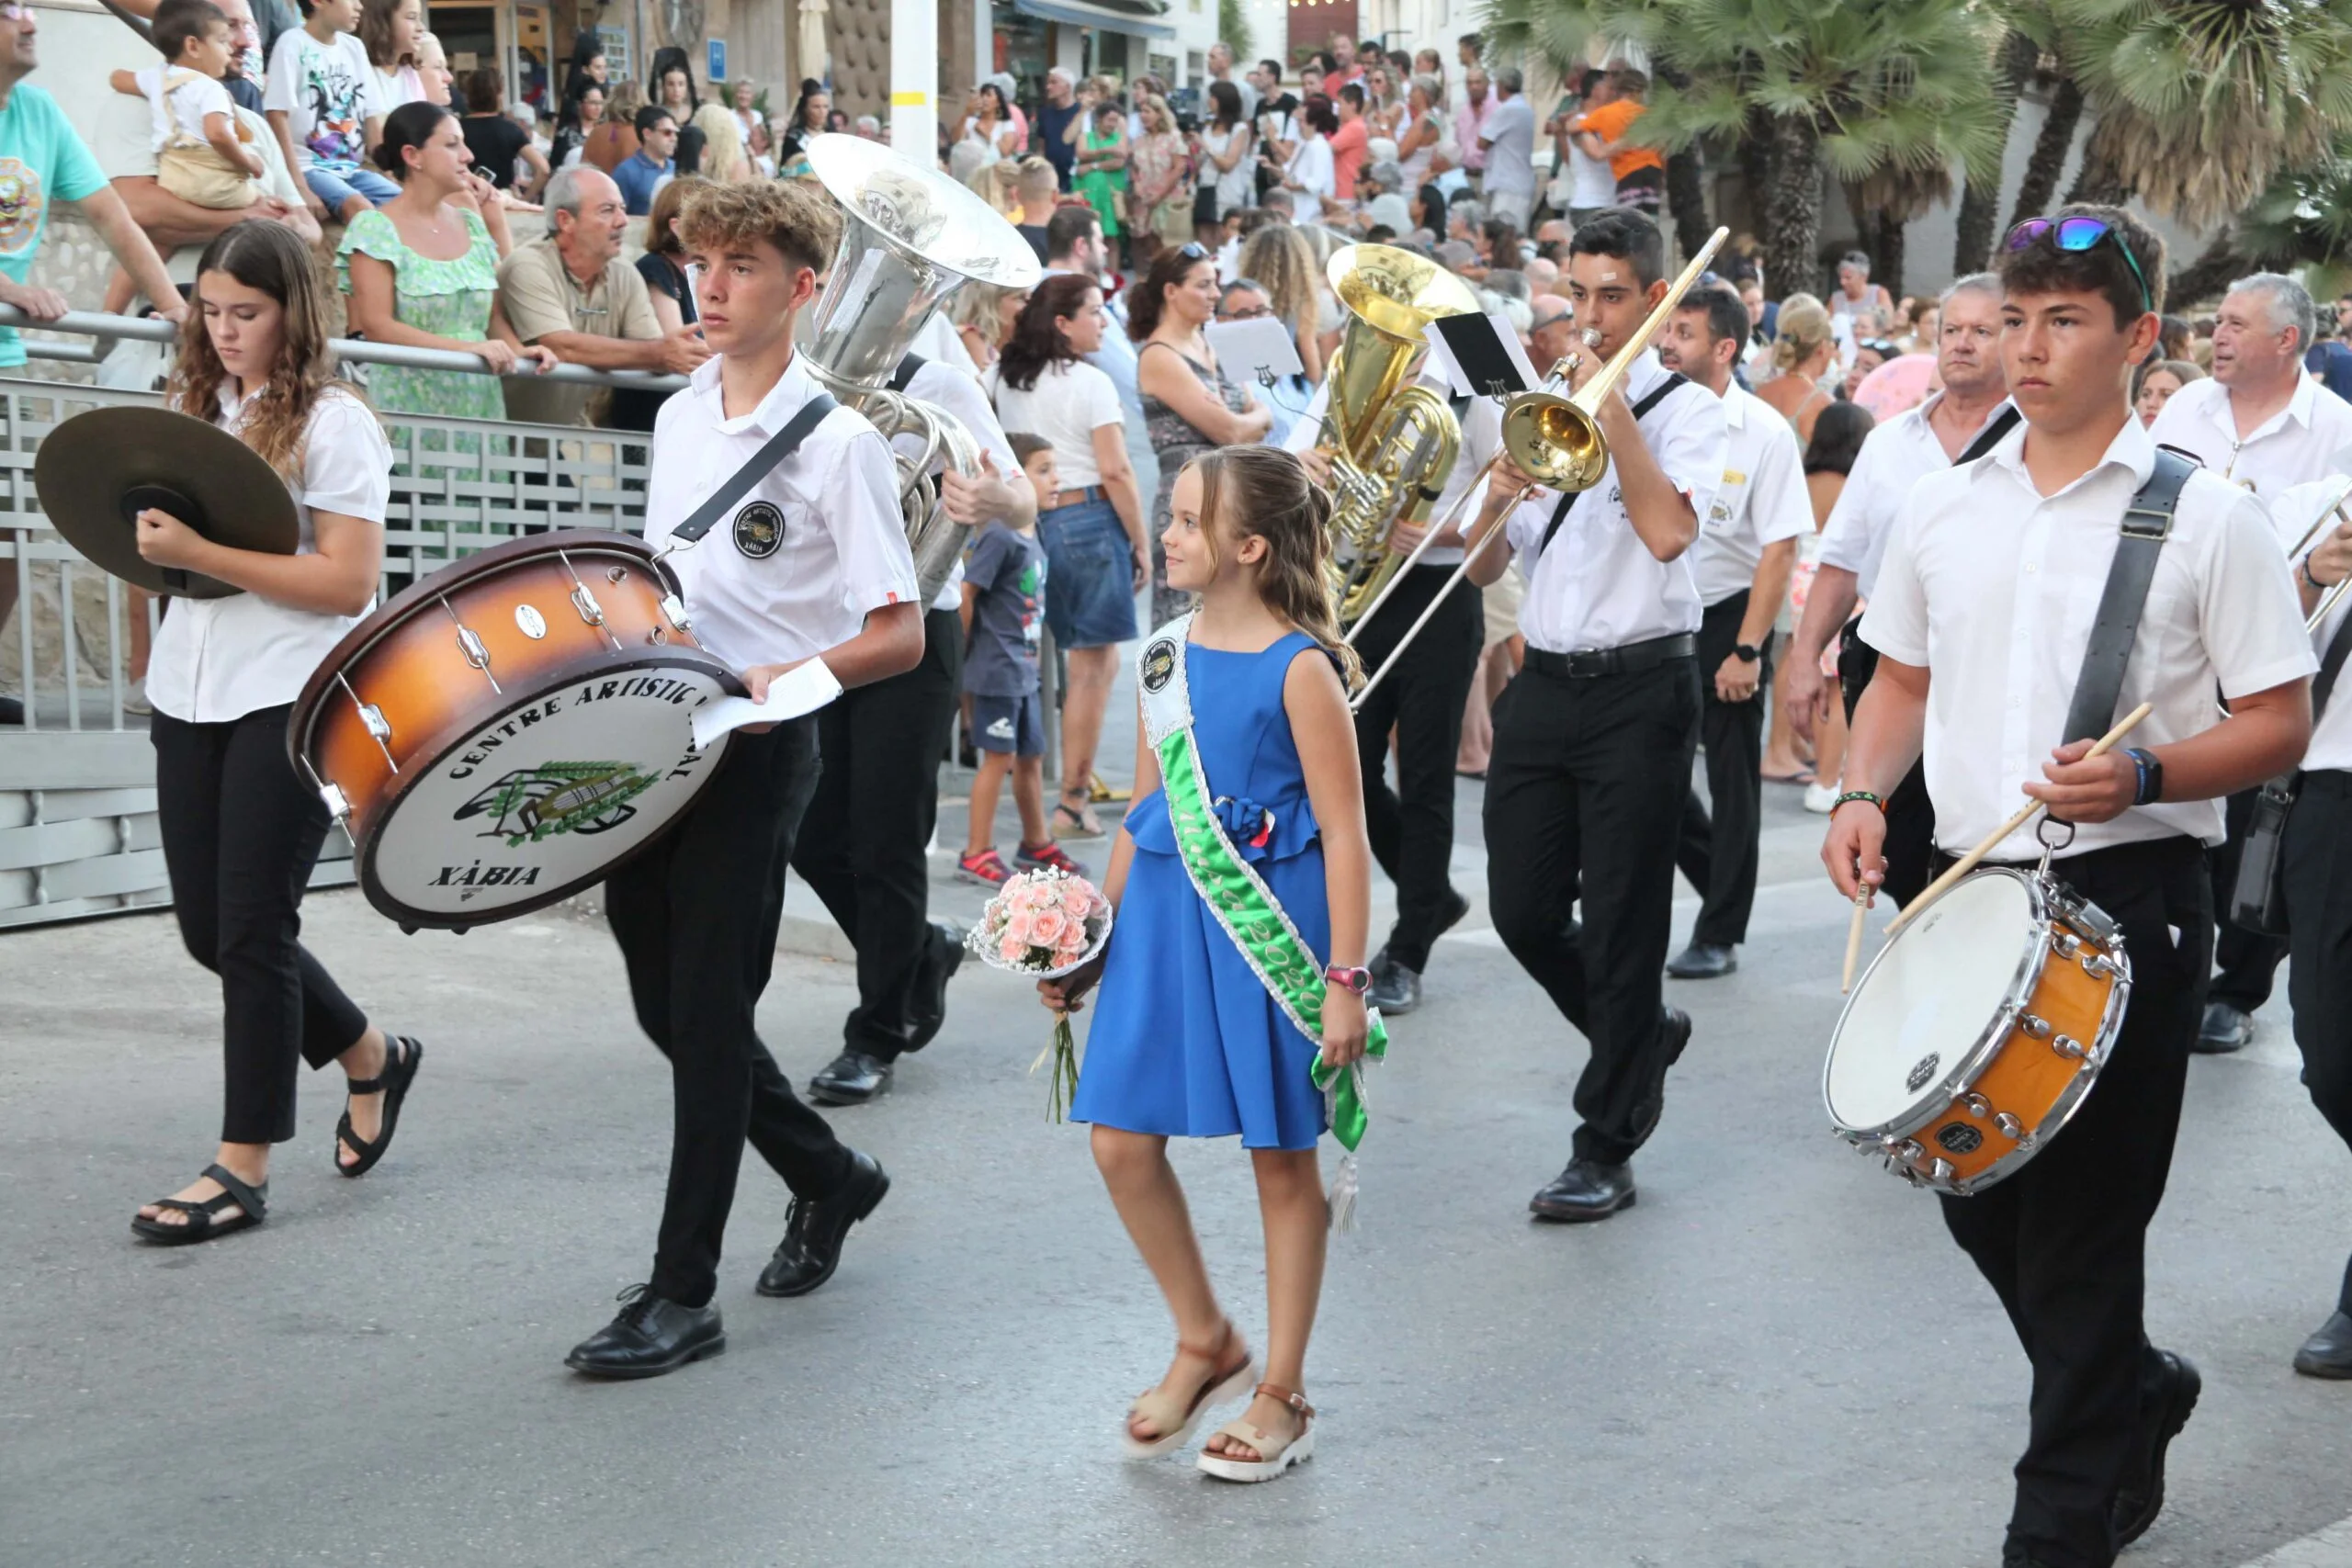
1046	924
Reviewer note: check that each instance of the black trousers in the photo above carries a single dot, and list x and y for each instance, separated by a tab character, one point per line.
696	916
1411	826
1910	845
1584	799
2063	1243
1719	852
2245	962
241	834
861	845
2318	881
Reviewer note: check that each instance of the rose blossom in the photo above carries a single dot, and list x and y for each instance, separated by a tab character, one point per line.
1014	950
1046	928
1021	926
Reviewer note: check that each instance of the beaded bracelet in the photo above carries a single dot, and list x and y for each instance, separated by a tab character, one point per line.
1859	794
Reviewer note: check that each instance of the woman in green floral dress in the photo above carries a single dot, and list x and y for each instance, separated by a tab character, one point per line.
421	272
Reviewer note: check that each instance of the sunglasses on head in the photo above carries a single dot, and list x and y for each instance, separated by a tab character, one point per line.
2078	234
1193	250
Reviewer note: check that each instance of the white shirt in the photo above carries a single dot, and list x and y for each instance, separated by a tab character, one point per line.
1762	499
1510	160
2290	515
1067	405
1993	587
1599	586
841	549
1591	182
1894	456
304	75
1311	166
178	107
216	659
118	136
2292	445
959	393
1482	437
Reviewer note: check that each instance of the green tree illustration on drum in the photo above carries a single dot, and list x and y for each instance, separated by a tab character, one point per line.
532	804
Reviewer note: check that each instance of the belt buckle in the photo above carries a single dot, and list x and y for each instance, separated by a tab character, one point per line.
1586	664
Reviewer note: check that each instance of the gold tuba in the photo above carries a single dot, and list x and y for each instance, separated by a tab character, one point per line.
1391	445
910	237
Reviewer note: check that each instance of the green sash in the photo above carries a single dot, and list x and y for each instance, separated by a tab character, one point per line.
1239	897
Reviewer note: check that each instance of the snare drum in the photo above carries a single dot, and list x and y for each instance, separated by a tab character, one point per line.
505	731
1977	1032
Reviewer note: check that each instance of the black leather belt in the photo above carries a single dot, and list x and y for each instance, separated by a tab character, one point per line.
1628	659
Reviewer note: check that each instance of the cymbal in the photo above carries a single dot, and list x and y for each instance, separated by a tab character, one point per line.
98	470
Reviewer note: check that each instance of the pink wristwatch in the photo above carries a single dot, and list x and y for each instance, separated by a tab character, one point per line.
1358	980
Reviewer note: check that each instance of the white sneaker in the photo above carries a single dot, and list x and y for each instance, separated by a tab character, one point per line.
1820	799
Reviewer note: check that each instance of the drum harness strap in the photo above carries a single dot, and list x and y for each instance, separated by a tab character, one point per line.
780	445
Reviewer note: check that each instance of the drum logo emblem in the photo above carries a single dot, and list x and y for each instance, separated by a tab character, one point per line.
1159	665
1923	1071
759	530
532	804
528	620
1960	1139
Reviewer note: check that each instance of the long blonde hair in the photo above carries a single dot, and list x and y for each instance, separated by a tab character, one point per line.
722	142
1279	256
1799	333
268	257
1272	497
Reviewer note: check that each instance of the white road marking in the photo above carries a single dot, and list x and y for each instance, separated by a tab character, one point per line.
2331	1548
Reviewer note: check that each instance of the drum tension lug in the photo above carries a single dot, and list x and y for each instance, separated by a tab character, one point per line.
2066	1045
2009	1126
1941	1170
673	609
1978	1106
2033	1026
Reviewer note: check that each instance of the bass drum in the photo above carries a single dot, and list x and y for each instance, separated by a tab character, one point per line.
504	732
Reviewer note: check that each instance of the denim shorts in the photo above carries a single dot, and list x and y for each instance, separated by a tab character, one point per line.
1090	576
1015	726
334	190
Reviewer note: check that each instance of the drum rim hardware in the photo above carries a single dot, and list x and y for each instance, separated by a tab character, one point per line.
2068	928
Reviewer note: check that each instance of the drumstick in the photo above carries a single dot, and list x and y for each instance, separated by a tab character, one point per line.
2026	814
1854	937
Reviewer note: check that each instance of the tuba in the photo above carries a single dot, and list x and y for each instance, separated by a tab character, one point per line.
911	236
1391	445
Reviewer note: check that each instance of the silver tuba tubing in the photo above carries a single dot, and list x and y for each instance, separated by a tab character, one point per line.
911	236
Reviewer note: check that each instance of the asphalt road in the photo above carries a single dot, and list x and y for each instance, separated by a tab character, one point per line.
1776	1360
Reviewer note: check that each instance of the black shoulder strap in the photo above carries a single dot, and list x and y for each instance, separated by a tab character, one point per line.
1640	409
2147	520
908	369
1990	438
782	444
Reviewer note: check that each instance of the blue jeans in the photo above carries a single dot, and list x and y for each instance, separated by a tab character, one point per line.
1090	576
335	187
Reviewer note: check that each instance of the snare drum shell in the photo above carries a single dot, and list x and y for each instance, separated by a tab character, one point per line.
406	662
2077	996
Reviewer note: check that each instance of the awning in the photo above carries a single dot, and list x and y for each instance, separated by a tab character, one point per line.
1080	14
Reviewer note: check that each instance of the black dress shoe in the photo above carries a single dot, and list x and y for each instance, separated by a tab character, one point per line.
1396	990
1674	1026
811	1247
930	1006
851	1078
2328	1352
1587	1190
2225	1029
650	1336
1456	906
1703	961
2142	1497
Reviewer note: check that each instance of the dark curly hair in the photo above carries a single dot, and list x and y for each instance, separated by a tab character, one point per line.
1037	342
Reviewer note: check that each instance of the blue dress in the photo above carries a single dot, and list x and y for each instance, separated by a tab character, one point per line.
1186	1042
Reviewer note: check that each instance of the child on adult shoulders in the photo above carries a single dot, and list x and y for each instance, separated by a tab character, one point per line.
1193	1037
201	146
1004	597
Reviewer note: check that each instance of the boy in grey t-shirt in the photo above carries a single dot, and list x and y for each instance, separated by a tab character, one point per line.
1004	609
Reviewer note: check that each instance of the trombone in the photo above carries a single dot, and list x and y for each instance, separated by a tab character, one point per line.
1554	440
2334	590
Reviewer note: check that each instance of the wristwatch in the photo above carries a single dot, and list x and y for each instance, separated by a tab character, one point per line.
1748	652
1356	979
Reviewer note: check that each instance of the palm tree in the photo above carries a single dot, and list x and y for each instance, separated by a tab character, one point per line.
1980	199
1853	89
2302	218
2201	102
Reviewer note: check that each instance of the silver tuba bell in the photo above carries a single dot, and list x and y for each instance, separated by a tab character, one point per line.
911	236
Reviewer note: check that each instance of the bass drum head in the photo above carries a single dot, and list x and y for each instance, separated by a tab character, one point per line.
1929	1002
545	796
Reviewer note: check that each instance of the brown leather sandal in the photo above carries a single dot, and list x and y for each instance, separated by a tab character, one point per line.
1275	1455
1227	1381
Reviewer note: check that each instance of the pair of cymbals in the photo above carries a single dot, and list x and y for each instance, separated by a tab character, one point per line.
98	470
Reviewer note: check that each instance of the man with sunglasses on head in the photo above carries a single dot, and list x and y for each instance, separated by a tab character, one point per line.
1990	667
2264	423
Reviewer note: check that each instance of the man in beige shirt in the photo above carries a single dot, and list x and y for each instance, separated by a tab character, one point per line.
572	292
